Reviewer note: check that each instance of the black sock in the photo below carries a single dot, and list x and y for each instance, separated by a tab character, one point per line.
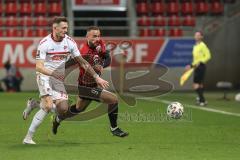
73	109
200	94
70	113
203	98
112	114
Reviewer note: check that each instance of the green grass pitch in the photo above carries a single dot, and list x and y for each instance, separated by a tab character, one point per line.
199	135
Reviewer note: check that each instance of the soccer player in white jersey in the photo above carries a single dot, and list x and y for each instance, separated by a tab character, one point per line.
52	54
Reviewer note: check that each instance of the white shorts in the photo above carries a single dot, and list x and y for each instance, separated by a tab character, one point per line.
50	86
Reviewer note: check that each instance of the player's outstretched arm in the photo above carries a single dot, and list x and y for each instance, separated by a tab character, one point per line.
87	67
40	68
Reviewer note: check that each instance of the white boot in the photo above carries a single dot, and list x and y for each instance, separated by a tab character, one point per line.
28	141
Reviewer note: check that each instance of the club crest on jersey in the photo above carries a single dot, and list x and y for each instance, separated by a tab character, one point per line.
65	47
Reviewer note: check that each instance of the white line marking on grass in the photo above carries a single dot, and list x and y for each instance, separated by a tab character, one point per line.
196	107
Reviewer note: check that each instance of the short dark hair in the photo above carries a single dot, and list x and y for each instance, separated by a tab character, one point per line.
57	20
93	28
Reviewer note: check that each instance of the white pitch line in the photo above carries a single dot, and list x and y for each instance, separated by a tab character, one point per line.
197	107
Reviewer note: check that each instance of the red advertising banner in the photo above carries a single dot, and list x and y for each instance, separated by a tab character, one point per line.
22	52
19	52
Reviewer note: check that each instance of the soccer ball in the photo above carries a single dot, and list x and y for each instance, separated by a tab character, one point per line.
175	110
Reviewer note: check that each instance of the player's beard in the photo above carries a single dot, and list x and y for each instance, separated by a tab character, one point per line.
59	36
91	44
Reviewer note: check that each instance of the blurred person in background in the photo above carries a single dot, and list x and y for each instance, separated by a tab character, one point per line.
13	78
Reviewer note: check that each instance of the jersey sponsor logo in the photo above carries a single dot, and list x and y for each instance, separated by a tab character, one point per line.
58	53
58	57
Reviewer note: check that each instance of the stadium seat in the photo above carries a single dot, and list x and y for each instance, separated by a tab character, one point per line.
12	32
172	8
159	21
142	8
1	9
40	8
139	1
201	7
229	1
11	8
144	21
7	1
182	1
28	32
78	2
11	21
225	86
174	21
199	1
216	8
24	1
40	32
41	21
145	32
38	1
175	32
2	22
55	9
160	32
26	21
25	8
189	21
187	8
156	1
157	8
52	1
2	33
214	1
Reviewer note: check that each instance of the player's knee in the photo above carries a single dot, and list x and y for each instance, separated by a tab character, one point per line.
62	107
114	99
61	110
47	104
195	86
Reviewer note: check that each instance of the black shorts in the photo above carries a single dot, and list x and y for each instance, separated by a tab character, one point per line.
89	93
199	73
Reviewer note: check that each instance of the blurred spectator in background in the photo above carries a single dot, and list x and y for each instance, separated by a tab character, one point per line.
13	78
1	89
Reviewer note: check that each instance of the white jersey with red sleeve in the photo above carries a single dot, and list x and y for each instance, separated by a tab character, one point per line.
55	54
